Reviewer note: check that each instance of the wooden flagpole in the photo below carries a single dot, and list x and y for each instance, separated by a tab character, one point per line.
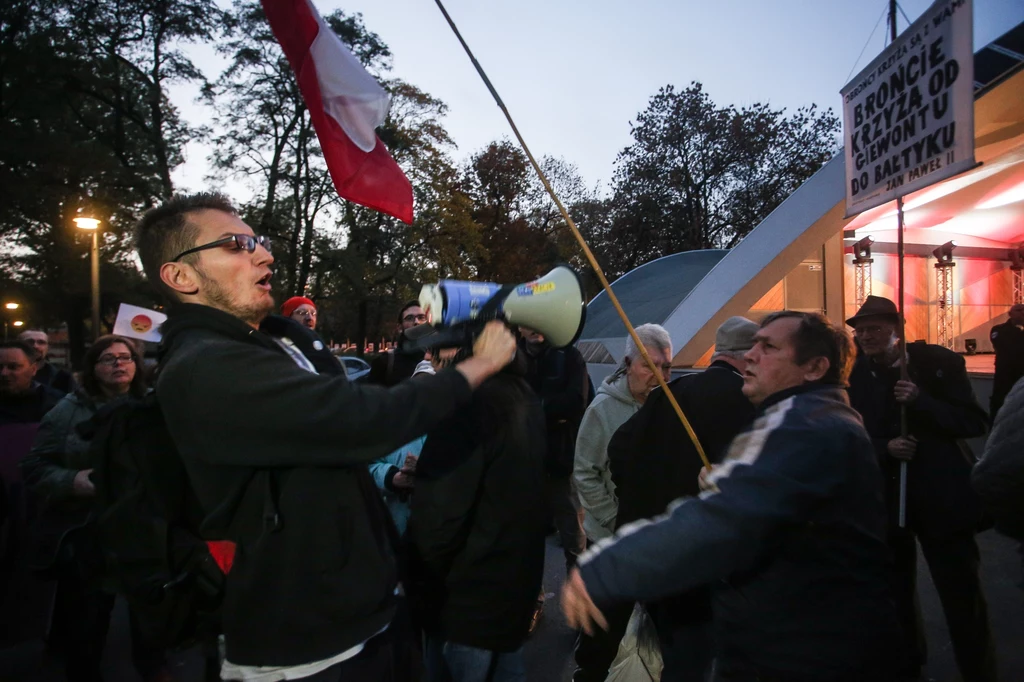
582	242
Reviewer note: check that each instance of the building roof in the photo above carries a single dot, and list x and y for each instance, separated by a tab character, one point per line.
649	293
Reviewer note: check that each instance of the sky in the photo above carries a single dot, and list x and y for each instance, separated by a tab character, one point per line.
575	73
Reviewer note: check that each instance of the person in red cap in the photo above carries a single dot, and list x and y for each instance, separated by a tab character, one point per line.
300	309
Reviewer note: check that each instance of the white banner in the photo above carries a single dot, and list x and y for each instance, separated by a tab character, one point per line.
908	118
138	323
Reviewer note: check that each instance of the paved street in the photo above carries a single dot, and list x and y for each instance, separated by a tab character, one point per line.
549	650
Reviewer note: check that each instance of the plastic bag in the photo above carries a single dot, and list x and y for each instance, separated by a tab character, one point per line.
639	657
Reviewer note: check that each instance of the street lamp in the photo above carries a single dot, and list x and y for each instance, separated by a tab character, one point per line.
94	225
11	306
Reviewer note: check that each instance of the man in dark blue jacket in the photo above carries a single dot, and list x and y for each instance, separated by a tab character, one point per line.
789	531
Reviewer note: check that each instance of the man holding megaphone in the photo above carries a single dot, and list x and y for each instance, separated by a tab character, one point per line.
276	454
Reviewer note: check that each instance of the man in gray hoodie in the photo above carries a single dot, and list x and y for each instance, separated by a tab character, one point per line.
618	398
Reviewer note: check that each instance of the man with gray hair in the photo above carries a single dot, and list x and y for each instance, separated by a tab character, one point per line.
654	463
618	398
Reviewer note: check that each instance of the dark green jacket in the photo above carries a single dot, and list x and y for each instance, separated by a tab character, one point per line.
59	453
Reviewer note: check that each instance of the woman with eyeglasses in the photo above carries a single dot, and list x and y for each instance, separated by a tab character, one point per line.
57	472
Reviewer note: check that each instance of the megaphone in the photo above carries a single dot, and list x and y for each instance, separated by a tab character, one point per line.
552	305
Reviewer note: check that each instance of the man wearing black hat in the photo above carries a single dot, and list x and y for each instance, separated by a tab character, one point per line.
942	511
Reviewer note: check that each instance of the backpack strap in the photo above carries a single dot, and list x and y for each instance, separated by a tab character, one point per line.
271	516
389	373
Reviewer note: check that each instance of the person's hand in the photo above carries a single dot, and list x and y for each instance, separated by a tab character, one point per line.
903	448
492	350
906	392
403	481
83	487
702	479
409	466
579	609
496	344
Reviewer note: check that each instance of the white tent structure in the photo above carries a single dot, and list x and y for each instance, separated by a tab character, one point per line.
774	266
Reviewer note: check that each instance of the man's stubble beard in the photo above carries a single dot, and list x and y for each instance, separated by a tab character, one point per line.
219	298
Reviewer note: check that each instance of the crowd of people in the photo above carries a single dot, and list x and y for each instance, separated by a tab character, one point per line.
394	528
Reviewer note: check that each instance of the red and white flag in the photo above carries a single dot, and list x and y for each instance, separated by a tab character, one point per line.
346	106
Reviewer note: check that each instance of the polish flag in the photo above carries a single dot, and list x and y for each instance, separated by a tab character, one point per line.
346	106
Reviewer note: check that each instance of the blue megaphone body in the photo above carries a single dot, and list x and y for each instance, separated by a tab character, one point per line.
553	305
457	301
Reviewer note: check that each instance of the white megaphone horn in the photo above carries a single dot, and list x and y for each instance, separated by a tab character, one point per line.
552	305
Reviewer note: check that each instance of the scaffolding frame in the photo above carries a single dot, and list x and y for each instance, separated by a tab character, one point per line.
945	321
862	279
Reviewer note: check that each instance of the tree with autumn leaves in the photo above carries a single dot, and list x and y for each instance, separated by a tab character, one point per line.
99	134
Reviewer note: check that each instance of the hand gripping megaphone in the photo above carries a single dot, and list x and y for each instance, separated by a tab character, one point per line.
552	305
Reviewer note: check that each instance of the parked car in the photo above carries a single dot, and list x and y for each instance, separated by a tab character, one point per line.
355	368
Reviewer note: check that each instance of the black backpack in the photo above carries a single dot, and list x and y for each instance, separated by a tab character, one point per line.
147	521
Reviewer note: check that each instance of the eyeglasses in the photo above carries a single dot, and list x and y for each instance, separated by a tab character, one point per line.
415	318
112	360
238	242
305	313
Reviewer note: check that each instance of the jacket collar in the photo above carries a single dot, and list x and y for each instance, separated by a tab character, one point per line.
722	364
837	392
187	316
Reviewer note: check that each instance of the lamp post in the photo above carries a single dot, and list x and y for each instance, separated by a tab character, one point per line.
94	225
10	306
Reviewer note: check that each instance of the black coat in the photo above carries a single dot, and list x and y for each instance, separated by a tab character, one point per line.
394	366
939	495
241	411
478	520
58	379
1008	342
653	460
654	463
29	408
559	377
